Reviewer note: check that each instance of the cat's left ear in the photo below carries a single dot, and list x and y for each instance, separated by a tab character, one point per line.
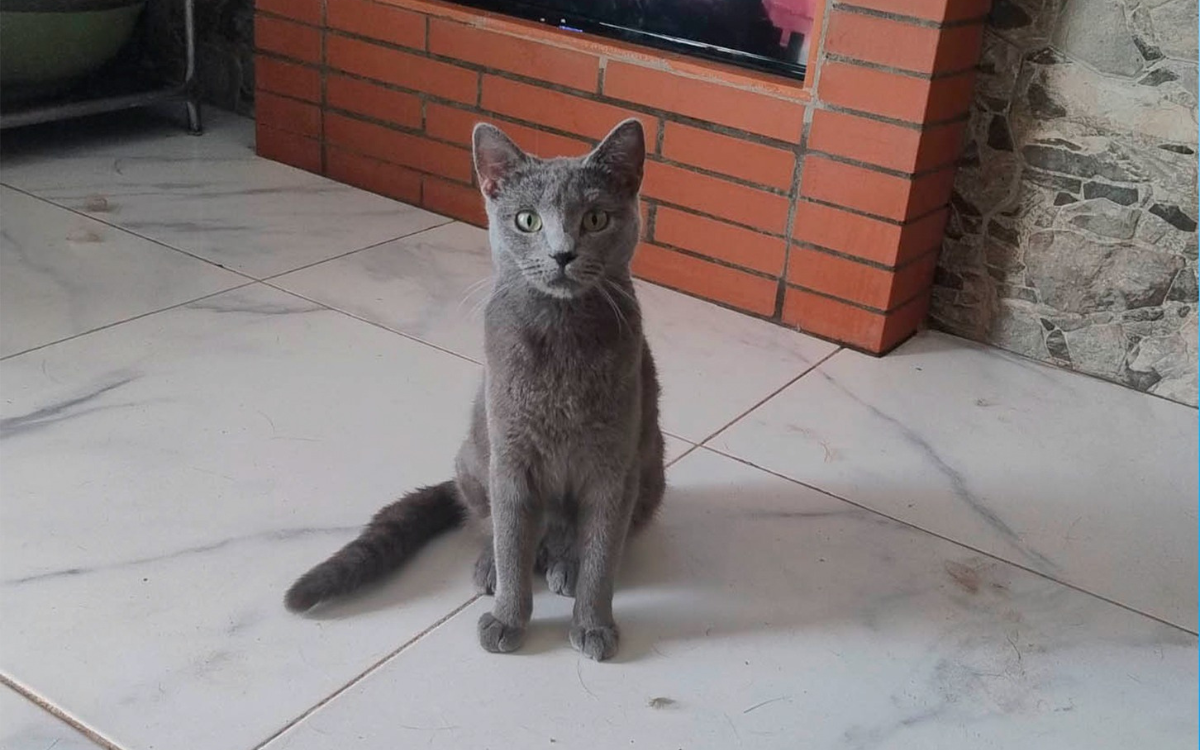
496	156
622	155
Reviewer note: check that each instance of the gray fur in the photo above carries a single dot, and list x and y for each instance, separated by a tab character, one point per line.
564	456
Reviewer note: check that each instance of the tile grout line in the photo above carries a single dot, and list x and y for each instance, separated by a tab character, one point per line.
365	673
160	243
372	246
378	325
955	542
704	443
58	713
106	326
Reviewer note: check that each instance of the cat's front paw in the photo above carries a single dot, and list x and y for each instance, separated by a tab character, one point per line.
561	576
497	637
597	643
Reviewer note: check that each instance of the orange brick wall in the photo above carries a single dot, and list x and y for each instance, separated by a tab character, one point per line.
818	204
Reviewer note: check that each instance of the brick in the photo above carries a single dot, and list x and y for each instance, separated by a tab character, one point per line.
372	174
856	282
558	110
288	148
735	157
863	237
716	239
577	70
930	10
356	95
305	11
286	38
387	23
750	111
890	196
399	148
745	205
287	114
456	201
872	332
895	95
402	69
896	44
289	79
708	280
885	144
453	124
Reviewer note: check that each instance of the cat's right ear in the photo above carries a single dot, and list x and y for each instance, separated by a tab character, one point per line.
496	156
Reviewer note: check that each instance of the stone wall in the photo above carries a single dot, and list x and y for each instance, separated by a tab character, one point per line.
1072	236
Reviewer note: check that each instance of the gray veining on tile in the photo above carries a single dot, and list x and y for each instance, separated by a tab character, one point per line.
212	197
789	619
1082	480
62	274
165	479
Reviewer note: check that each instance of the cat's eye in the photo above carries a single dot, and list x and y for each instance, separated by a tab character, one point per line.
595	220
528	221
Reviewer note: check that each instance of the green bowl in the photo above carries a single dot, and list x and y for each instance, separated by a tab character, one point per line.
46	45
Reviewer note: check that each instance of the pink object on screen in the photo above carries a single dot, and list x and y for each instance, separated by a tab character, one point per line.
793	16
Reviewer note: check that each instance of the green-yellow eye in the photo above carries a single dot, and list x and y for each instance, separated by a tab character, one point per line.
529	221
595	220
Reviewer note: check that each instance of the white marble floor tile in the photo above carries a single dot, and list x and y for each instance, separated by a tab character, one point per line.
62	274
27	726
1082	480
166	479
758	613
715	364
211	196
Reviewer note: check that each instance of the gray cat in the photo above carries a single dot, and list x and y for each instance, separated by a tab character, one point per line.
564	452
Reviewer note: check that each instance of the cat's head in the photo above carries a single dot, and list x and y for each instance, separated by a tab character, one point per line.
563	223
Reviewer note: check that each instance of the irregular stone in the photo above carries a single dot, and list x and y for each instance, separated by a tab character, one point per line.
1080	164
1158	76
1045	56
999	136
1005	234
1006	14
1174	216
1143	315
1094	32
1177	148
1103	218
1184	287
1042	104
1015	327
947	279
1144	35
1054	181
1056	345
1153	230
1124	196
1010	291
1113	105
1098	349
1075	274
1175	24
996	74
1062	199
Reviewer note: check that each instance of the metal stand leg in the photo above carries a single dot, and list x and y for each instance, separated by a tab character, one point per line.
195	124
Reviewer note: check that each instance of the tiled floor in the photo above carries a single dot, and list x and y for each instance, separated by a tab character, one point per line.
946	548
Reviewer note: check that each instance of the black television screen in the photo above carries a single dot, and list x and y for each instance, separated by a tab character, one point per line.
769	35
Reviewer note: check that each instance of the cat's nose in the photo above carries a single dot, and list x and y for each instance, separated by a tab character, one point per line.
562	259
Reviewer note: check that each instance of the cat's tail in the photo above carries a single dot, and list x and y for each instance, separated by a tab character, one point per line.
395	533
